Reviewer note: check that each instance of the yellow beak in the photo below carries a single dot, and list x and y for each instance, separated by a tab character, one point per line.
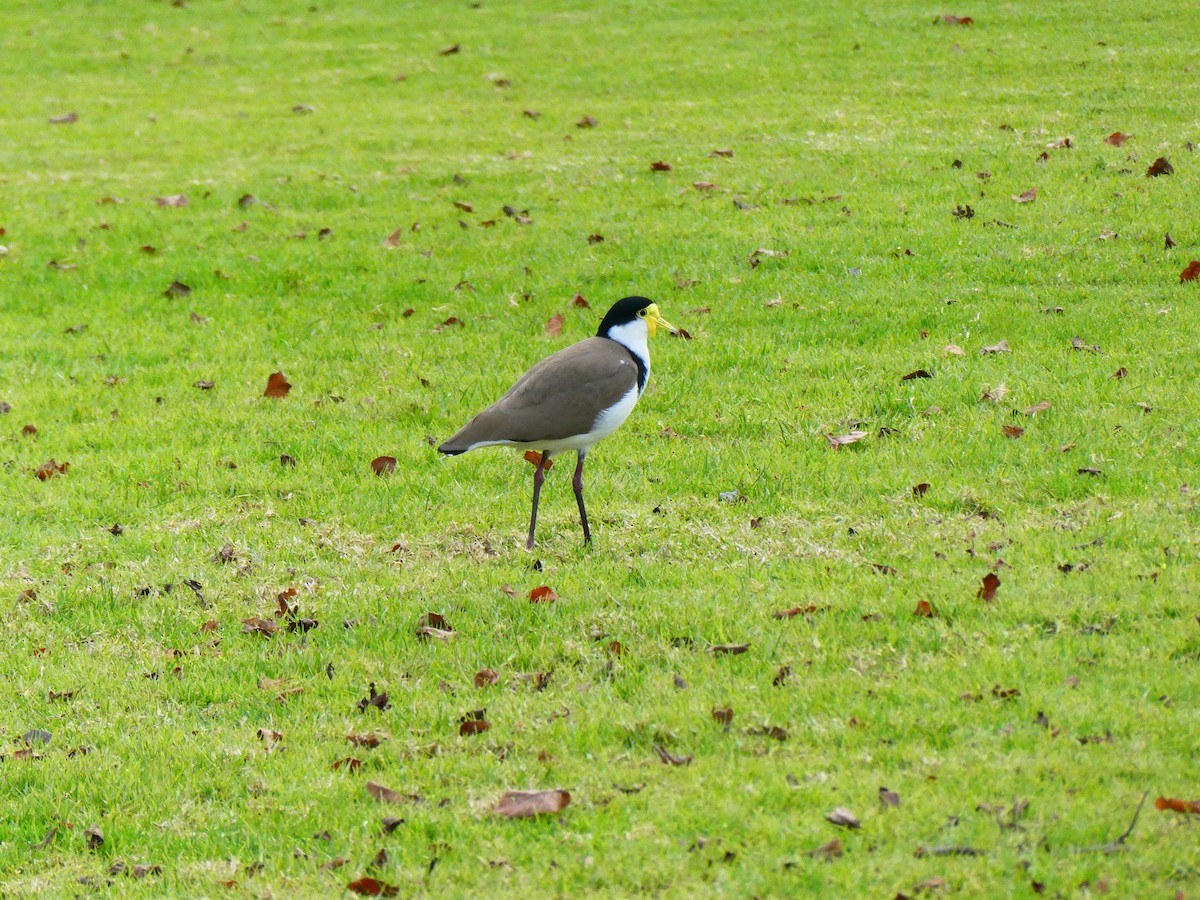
655	320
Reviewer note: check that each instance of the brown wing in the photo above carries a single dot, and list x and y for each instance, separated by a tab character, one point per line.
558	398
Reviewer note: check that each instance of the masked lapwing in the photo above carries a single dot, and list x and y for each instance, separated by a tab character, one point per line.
571	399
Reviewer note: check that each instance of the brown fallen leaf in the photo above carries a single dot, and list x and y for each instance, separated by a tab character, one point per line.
1025	196
374	698
798	611
534	457
1160	167
771	731
828	852
257	625
670	758
1191	272
837	441
542	594
94	837
277	385
554	325
439	634
527	804
843	818
50	469
723	715
383	465
473	723
987	590
1181	806
386	794
729	649
371	887
996	394
1013	431
368	739
1036	408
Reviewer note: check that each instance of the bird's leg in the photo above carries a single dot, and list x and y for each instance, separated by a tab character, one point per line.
539	475
577	483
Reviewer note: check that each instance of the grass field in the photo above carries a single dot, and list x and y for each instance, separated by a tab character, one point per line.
1017	734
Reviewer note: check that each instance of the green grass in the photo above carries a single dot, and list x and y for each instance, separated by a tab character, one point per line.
872	106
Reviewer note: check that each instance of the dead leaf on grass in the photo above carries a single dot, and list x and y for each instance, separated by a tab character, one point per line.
837	441
996	394
386	794
473	722
371	887
843	818
94	837
527	804
798	611
670	758
1160	166
383	465
277	385
50	469
543	594
378	700
987	589
1174	805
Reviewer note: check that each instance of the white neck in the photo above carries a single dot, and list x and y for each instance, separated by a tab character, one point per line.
633	336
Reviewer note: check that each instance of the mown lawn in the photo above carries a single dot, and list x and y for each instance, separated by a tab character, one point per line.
346	178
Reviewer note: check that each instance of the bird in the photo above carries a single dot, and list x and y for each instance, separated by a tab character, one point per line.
572	398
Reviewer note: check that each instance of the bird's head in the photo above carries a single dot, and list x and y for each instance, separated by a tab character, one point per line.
632	310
